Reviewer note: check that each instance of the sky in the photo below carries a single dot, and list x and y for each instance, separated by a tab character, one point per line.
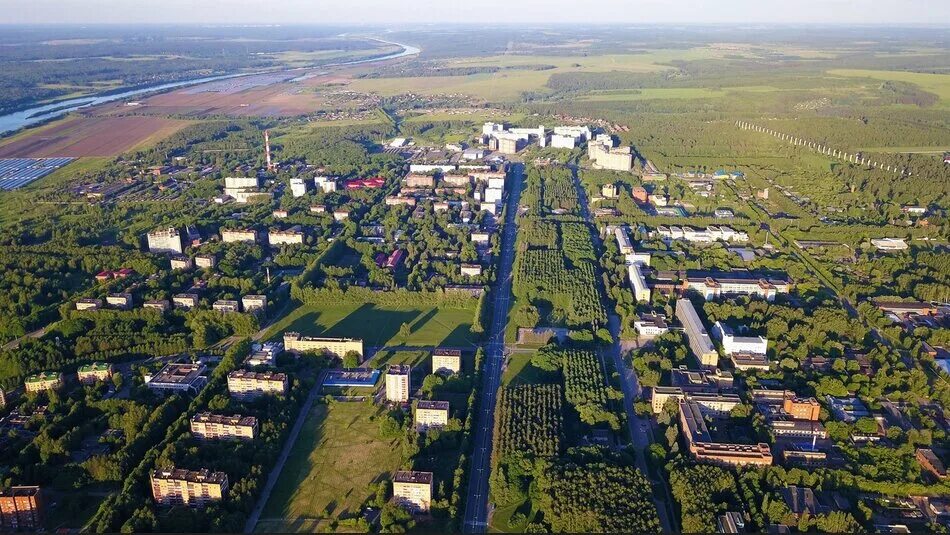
404	12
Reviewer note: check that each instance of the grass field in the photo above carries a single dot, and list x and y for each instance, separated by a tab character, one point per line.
938	84
652	93
520	371
379	325
336	458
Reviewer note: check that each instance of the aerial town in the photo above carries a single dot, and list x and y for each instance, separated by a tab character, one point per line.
358	285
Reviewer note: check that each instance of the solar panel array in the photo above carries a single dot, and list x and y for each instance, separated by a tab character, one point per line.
17	172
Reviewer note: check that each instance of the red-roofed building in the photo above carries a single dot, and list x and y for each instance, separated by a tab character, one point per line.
123	273
381	259
361	183
395	258
103	276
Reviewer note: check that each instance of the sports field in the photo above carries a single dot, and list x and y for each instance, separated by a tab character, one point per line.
379	325
337	457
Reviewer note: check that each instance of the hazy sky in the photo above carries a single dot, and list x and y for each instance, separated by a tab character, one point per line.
411	11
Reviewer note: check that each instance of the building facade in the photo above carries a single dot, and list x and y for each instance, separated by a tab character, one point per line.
338	347
195	488
397	383
413	490
21	508
207	426
164	241
431	414
248	385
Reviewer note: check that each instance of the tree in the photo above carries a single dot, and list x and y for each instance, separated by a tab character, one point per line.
405	331
351	359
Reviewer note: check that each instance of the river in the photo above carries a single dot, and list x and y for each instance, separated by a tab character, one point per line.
38	114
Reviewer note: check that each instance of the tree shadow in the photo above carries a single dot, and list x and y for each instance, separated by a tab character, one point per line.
376	326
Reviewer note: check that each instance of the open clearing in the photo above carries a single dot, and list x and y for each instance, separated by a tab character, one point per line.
939	84
379	325
90	136
337	456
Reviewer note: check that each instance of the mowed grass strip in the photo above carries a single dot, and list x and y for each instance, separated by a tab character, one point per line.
337	457
379	325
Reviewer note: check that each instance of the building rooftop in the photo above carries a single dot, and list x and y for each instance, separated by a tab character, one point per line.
95	367
178	373
406	476
398	369
433	405
19	490
237	419
445	352
43	376
258	376
194	476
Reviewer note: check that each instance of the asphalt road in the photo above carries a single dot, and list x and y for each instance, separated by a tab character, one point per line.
476	502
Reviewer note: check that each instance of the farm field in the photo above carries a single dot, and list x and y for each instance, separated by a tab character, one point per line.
90	136
379	325
336	458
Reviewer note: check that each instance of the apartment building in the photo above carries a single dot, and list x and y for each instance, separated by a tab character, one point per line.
248	385
208	261
241	182
253	303
413	490
298	187
90	374
446	360
397	383
470	270
88	304
237	235
338	347
292	236
122	301
712	285
431	414
226	305
195	488
416	180
185	301
699	341
164	241
43	381
21	508
208	426
180	263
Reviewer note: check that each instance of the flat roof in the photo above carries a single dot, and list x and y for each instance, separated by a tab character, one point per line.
398	369
352	377
433	405
178	373
259	376
237	419
95	367
194	476
408	476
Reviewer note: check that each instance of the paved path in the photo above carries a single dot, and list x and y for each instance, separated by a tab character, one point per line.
641	434
284	454
476	501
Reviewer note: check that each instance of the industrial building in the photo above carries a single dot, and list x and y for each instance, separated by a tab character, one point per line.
338	347
195	488
732	344
699	341
704	449
21	509
207	426
651	325
178	377
431	414
164	241
413	490
247	385
397	383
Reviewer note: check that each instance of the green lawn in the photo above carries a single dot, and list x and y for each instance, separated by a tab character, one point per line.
379	325
520	371
337	457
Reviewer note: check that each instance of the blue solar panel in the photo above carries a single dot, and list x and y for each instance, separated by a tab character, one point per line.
18	172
